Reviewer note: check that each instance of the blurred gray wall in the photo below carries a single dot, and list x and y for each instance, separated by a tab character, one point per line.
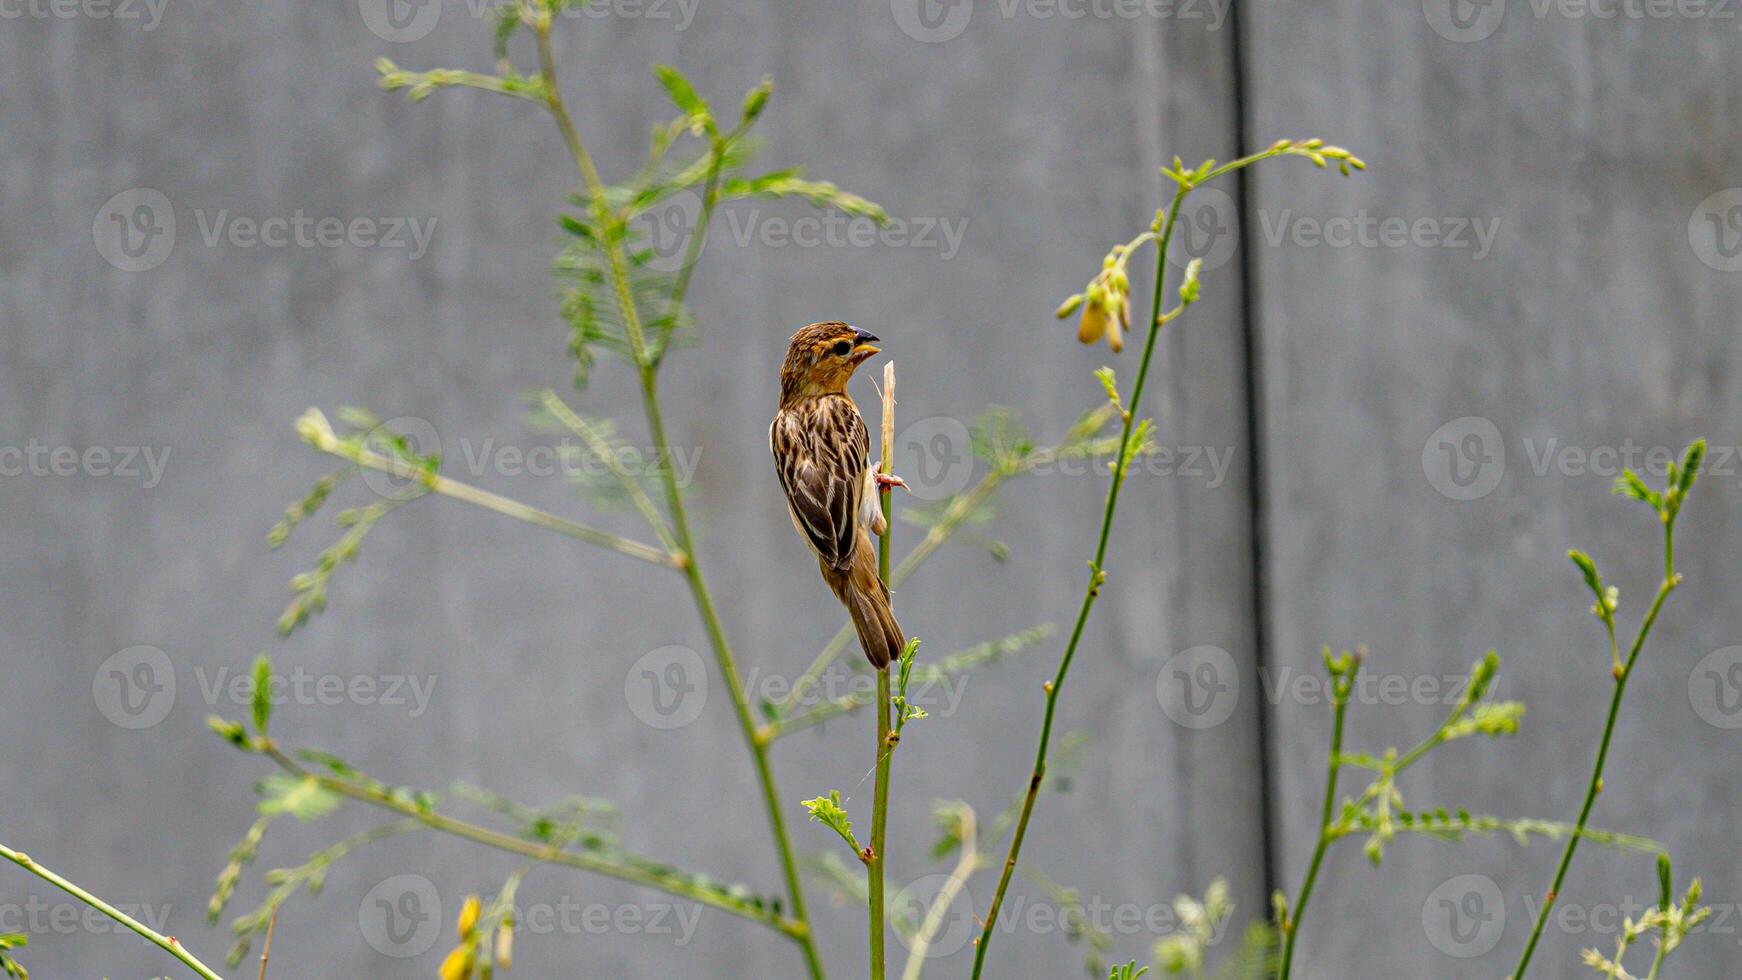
1402	397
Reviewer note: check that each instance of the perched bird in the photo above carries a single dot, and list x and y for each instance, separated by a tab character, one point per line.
822	453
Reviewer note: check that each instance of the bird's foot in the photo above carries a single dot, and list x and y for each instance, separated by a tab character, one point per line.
886	481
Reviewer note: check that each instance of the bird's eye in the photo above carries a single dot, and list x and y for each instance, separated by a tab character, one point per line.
843	348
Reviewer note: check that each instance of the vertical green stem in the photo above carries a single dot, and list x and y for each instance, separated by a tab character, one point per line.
1657	961
876	867
1038	776
1339	711
674	501
168	944
1595	786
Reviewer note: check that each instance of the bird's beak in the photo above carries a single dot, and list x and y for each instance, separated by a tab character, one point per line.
864	346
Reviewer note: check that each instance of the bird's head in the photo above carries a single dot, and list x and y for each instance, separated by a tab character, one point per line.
822	357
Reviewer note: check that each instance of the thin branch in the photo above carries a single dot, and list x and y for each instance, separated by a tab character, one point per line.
168	944
1670	580
1161	233
1342	686
266	947
885	746
651	877
1096	577
315	428
940	903
597	444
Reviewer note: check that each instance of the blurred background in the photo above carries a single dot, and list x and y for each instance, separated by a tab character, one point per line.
1401	399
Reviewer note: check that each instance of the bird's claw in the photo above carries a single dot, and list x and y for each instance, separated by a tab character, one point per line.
885	481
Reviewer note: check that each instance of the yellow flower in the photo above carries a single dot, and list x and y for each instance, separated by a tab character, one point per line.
469	916
458	965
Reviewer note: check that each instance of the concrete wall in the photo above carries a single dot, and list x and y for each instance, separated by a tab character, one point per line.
1578	308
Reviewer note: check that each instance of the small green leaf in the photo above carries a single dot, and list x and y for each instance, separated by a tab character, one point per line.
262	693
827	810
1666	892
1630	485
1690	468
302	797
1188	290
756	100
683	95
231	731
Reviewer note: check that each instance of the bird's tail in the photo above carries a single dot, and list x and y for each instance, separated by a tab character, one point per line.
867	602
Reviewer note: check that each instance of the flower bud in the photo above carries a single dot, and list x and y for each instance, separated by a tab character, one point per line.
1094	322
505	944
469	916
458	965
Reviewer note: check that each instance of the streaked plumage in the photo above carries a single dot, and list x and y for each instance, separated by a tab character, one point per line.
822	454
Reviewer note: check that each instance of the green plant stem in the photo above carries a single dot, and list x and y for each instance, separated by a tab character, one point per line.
876	867
1657	961
1297	909
619	266
1096	577
168	944
880	825
436	483
650	877
1670	581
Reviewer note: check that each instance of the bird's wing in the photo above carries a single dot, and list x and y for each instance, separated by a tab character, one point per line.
820	451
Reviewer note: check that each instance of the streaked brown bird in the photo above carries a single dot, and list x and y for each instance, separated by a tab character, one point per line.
822	453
